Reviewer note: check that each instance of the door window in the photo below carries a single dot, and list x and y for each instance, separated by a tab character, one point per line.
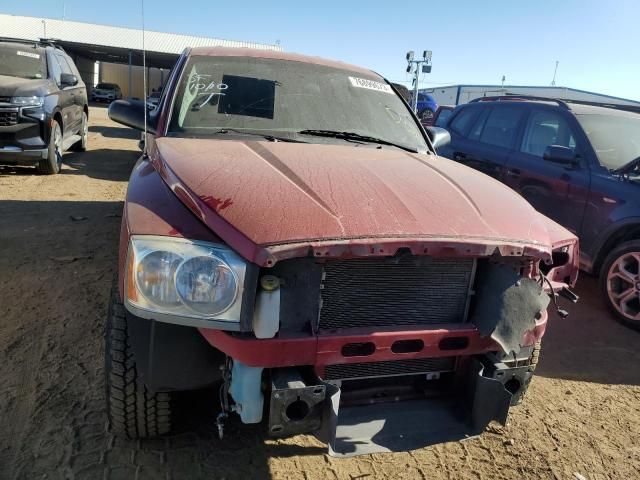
56	70
461	122
64	65
544	129
443	116
501	126
478	125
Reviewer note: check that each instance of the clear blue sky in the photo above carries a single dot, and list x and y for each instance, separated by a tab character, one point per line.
596	42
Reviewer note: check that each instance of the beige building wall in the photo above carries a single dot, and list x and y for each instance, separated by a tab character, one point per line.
119	74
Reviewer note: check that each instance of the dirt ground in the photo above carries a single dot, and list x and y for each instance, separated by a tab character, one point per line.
58	243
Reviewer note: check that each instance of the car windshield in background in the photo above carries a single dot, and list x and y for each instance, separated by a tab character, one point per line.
22	61
615	138
285	98
106	86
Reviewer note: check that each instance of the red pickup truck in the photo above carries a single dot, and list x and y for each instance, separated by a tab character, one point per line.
291	237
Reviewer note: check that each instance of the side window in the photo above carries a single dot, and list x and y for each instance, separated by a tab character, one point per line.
443	117
546	128
478	125
72	66
64	65
462	121
501	126
56	70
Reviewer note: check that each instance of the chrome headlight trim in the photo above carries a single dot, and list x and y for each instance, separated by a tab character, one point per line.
30	101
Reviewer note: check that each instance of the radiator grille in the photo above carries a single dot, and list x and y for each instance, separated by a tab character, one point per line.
8	118
407	290
382	369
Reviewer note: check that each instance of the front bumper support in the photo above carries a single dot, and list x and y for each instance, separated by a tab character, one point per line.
417	423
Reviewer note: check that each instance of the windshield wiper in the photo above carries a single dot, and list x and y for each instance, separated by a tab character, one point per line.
627	167
355	136
271	138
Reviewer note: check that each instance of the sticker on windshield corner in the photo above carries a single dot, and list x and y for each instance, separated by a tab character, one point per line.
370	84
28	54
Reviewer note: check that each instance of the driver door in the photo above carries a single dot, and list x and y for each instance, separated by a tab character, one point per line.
558	191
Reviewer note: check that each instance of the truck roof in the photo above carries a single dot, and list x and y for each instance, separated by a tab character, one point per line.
271	54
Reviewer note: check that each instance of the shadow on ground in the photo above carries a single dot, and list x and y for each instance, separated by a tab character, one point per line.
57	267
115	132
590	345
102	164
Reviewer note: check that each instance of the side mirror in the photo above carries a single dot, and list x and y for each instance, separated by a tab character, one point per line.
68	80
439	137
559	154
131	113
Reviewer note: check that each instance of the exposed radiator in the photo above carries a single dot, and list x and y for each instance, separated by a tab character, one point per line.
391	291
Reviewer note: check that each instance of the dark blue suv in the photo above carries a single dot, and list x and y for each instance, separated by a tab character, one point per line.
577	163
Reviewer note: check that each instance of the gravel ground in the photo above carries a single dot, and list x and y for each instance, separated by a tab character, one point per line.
58	247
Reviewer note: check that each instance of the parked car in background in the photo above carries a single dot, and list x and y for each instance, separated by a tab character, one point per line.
106	92
441	117
579	164
313	255
427	106
43	105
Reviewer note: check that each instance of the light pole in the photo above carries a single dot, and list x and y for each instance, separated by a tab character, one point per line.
421	65
44	26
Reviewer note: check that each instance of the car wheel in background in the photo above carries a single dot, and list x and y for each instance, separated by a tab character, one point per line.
426	114
53	163
133	410
620	282
81	145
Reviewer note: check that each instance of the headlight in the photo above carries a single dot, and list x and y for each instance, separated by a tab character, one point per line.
28	101
177	280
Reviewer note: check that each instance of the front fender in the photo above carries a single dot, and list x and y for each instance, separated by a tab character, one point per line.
151	208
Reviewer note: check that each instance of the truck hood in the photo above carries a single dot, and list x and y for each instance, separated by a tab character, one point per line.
23	87
278	194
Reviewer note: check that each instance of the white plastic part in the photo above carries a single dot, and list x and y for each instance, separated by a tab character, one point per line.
266	315
246	392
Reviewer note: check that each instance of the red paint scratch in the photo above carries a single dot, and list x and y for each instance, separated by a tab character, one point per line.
217	203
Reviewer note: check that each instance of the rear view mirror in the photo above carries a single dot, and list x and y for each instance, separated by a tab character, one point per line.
559	154
439	137
131	113
68	80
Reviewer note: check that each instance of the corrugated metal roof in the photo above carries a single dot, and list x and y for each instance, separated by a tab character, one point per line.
33	28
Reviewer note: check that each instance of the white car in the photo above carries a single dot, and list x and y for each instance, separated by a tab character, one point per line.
106	92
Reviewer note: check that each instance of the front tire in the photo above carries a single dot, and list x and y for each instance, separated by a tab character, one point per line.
620	283
133	410
53	163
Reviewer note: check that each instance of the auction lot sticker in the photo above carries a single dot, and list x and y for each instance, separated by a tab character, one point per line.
370	84
27	54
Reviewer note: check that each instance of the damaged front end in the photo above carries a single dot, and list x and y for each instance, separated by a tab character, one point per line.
392	353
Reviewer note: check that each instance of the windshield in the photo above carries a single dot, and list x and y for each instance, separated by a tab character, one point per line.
615	138
283	98
106	86
22	61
